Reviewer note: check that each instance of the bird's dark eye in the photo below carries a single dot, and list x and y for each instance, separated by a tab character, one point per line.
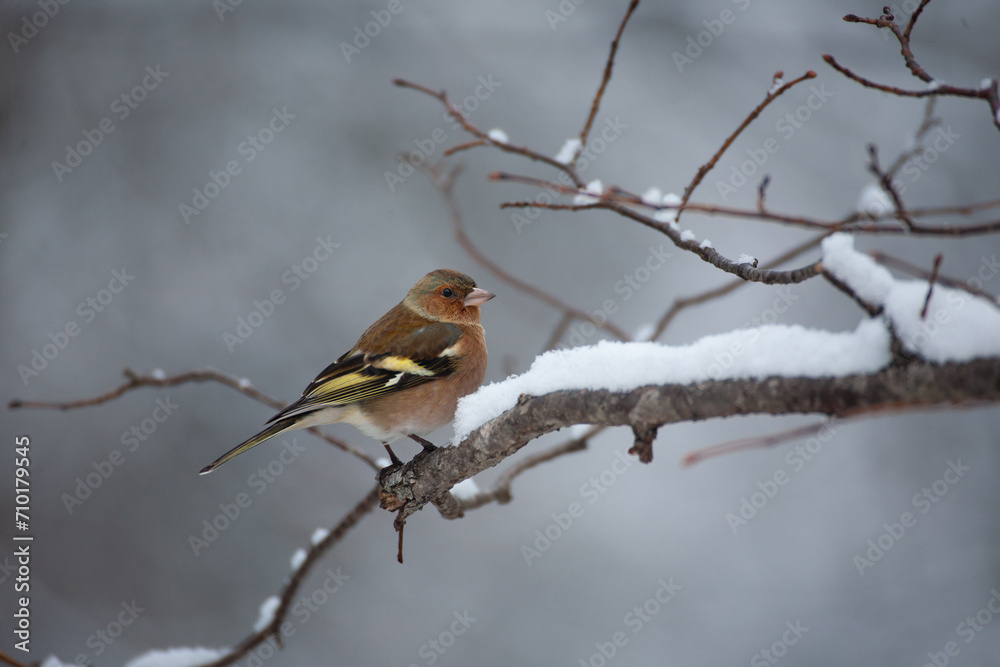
447	292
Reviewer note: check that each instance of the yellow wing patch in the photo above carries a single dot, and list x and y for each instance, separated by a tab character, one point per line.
401	365
347	388
358	377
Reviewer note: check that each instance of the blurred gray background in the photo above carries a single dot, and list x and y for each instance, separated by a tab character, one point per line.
220	79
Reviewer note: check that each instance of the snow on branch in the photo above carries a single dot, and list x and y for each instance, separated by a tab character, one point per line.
946	324
953	341
645	409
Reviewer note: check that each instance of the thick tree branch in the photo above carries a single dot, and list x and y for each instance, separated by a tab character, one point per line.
917	384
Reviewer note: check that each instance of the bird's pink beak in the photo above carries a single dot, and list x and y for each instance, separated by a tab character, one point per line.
478	297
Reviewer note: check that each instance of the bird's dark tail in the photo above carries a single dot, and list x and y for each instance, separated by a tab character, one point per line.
268	433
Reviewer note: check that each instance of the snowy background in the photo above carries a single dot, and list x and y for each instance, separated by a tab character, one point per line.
322	181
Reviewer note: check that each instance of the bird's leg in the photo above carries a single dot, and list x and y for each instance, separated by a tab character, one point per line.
392	455
426	444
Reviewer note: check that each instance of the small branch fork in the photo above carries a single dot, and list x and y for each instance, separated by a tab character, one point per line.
772	95
887	21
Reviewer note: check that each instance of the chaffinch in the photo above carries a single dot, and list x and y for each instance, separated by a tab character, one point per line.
404	376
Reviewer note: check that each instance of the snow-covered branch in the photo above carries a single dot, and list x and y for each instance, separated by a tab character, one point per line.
923	348
645	409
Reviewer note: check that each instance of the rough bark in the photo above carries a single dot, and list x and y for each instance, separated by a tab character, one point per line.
917	384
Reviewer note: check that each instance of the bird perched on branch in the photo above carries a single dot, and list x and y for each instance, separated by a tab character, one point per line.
404	376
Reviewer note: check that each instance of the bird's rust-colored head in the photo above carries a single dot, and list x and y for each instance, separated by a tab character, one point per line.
448	295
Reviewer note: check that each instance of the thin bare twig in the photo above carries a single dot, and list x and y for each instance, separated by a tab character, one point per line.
585	132
870	308
708	166
755	442
929	122
989	93
273	629
930	285
854	223
484	137
762	192
902	265
475	143
913	19
157	379
885	182
937	91
11	661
